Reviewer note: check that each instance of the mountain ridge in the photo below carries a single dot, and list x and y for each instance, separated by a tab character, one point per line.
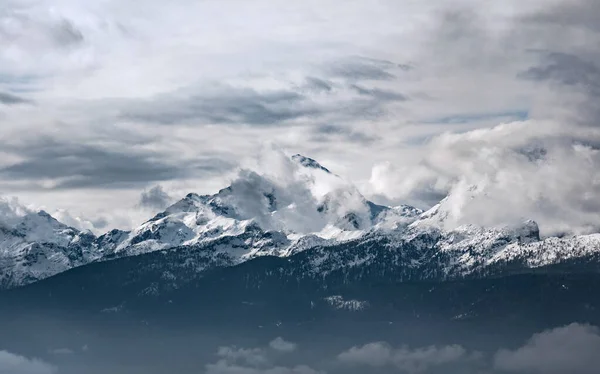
314	212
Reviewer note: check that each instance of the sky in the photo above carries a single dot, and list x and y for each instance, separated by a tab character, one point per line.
109	110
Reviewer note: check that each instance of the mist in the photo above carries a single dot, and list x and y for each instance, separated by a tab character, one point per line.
44	345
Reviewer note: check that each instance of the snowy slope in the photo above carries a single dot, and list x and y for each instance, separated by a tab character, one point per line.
256	215
308	211
314	204
37	246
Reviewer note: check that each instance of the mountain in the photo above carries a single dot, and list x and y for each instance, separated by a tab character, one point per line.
298	254
255	216
37	246
310	216
349	286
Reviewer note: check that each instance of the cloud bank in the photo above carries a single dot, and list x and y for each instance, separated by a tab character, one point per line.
233	360
570	349
545	167
11	363
405	359
100	102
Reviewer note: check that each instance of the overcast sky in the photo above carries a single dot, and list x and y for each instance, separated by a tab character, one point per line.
102	101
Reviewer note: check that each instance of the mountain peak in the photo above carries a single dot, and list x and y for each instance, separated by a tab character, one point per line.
528	232
309	162
44	214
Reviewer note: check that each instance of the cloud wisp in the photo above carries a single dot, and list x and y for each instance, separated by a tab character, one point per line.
10	99
155	198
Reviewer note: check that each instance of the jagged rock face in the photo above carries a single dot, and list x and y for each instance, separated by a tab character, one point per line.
327	233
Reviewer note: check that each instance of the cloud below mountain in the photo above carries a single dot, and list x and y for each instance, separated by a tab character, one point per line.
11	363
405	359
256	360
569	349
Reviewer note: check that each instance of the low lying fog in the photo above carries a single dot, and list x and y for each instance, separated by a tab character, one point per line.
51	347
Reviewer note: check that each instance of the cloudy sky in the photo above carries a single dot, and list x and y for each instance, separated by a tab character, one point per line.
109	108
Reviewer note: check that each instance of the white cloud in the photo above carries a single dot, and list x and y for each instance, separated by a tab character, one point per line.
571	349
234	360
78	222
11	363
11	211
405	359
512	172
372	354
120	98
250	356
543	168
281	345
280	194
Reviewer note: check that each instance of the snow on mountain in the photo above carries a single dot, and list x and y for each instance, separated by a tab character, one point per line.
550	251
314	203
303	209
37	246
258	214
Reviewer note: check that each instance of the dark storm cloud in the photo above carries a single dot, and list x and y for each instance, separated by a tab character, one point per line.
356	71
225	106
359	68
155	198
565	36
66	34
100	223
18	25
17	79
327	132
245	106
571	74
568	70
318	85
379	94
517	115
10	99
82	165
576	13
460	23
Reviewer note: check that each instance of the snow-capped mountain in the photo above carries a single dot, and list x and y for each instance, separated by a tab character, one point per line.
256	215
37	246
305	212
313	206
